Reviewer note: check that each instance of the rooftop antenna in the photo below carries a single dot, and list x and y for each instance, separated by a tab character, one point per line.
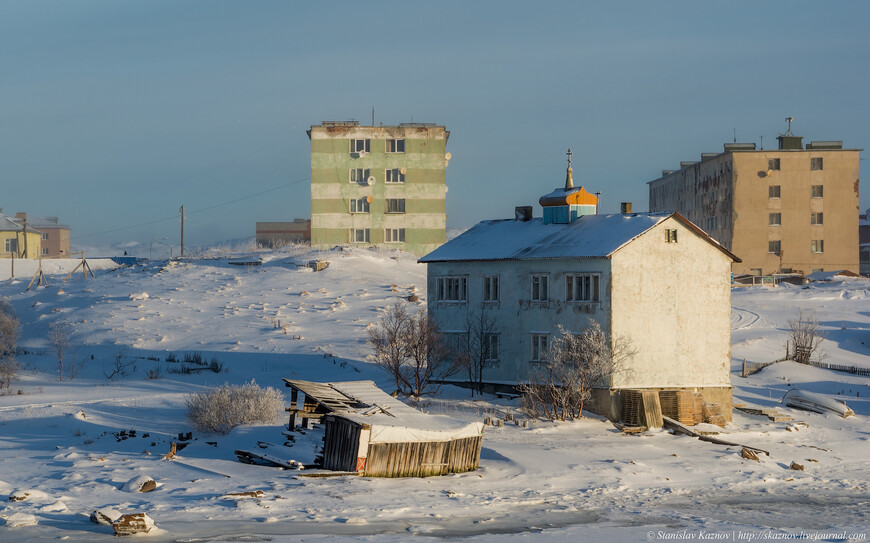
788	132
569	175
735	135
597	200
373	115
762	142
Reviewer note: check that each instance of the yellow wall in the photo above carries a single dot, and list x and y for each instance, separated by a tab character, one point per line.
33	244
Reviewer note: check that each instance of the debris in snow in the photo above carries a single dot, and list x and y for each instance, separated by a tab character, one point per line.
248	494
80	415
140	296
143	483
137	523
795	466
749	454
19	496
105	516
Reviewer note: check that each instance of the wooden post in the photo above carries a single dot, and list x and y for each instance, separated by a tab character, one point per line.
182	231
743	373
294	396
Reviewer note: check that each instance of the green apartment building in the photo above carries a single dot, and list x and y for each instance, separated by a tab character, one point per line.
378	185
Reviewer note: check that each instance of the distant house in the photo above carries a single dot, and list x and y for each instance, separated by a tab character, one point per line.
655	279
18	242
55	236
374	434
276	234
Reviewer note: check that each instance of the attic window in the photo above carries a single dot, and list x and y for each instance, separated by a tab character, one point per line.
671	235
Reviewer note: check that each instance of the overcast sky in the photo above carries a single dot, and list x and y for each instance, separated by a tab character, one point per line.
114	114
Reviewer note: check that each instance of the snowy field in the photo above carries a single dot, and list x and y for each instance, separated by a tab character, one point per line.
70	445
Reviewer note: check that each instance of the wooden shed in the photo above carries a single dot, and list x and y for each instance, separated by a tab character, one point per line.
374	434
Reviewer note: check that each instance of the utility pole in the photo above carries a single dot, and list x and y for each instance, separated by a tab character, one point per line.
182	230
24	229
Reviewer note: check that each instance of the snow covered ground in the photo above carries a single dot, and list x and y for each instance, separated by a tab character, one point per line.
70	445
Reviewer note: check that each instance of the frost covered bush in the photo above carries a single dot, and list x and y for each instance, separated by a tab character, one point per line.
8	343
223	408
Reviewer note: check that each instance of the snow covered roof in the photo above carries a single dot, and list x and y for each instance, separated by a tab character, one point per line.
831	275
590	236
389	418
8	224
40	222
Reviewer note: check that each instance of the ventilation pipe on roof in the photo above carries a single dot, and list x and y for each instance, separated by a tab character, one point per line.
625	208
523	213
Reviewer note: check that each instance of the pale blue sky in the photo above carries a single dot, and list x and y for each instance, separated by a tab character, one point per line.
113	114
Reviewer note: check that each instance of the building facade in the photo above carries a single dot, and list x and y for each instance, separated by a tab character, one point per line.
790	209
55	236
655	280
277	234
378	185
18	241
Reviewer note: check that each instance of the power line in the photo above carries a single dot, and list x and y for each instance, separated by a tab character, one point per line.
196	211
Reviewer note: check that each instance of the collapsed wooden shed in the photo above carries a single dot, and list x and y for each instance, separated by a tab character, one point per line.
374	434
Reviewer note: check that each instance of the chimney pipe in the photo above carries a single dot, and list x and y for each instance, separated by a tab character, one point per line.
625	208
523	213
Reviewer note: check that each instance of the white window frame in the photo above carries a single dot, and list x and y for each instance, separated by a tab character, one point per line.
45	251
360	205
11	245
540	291
358	145
490	288
539	343
394	235
491	347
774	219
45	236
397	203
356	233
670	235
392	145
451	288
817	246
583	287
360	176
394	176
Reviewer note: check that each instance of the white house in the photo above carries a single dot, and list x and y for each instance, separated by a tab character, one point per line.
655	279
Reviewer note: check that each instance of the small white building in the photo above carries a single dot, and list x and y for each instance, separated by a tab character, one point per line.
655	279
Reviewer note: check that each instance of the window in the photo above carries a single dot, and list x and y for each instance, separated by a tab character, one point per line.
774	247
818	246
394	235
773	191
539	288
360	235
490	288
816	218
490	350
581	287
45	251
360	205
818	191
357	146
396	146
45	236
452	288
773	164
396	175
774	219
670	235
755	271
11	245
816	163
539	347
395	205
360	175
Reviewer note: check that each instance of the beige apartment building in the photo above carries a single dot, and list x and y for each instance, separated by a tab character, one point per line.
55	236
378	185
790	209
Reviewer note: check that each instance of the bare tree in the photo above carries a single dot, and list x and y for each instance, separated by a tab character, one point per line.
473	349
9	328
804	337
411	350
60	337
575	364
